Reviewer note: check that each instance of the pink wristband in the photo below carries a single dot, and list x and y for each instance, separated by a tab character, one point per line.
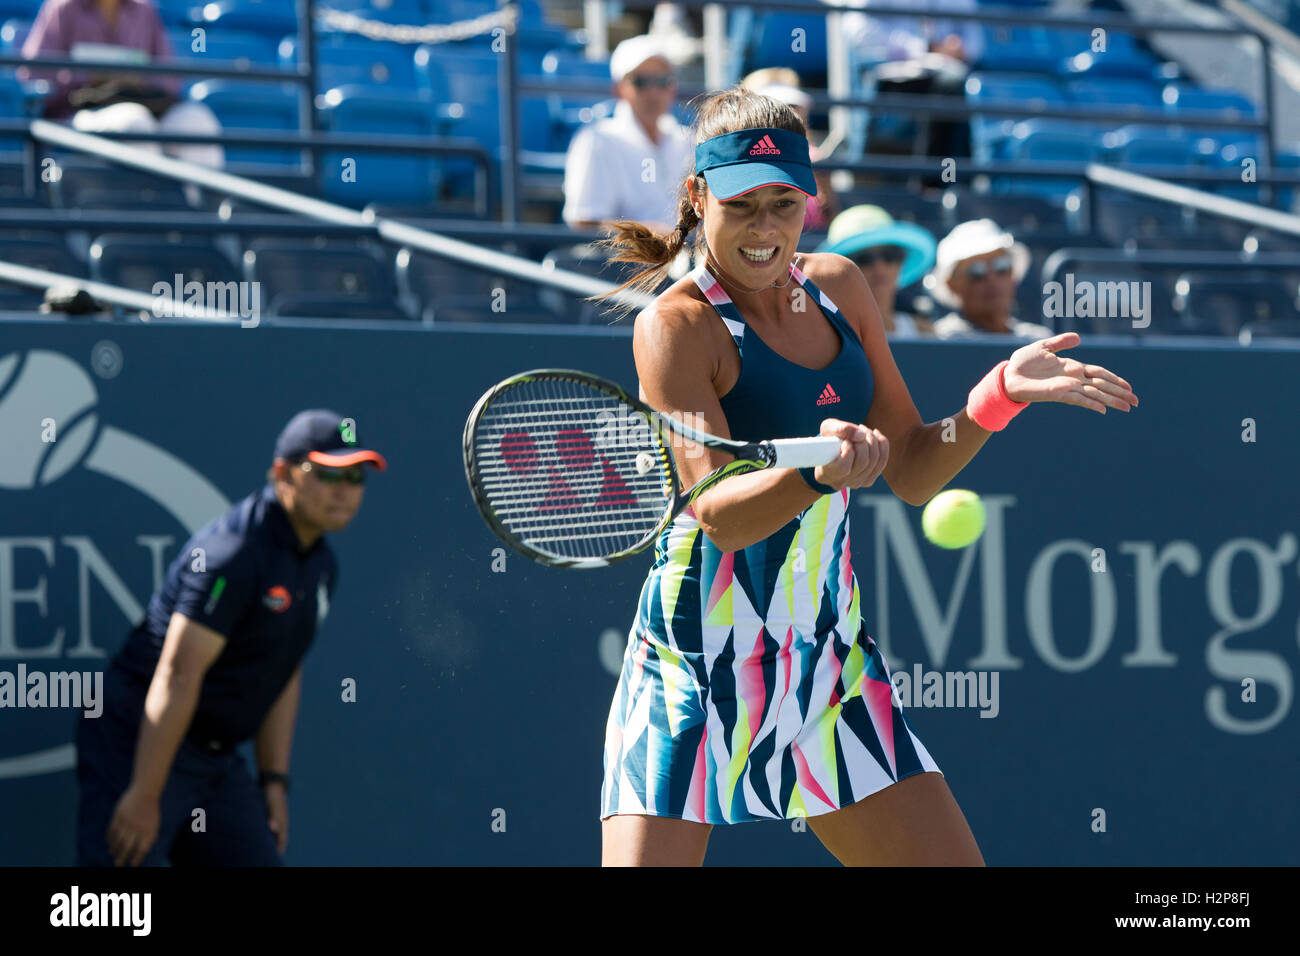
988	404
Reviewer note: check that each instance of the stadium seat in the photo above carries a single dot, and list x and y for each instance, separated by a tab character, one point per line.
468	79
49	253
380	176
1045	141
1006	89
87	184
584	259
179	12
1028	49
424	281
1138	145
346	60
904	206
253	106
13	34
1148	223
1020	215
13	105
275	18
1224	303
228	47
1123	57
385	11
1114	93
1098	275
287	267
566	112
138	263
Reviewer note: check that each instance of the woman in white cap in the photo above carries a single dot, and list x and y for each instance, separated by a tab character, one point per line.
977	269
751	687
892	255
628	165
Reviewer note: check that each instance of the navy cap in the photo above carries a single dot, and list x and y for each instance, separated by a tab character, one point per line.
326	438
737	163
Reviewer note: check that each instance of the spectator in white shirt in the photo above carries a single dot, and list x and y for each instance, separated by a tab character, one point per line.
630	165
977	268
910	37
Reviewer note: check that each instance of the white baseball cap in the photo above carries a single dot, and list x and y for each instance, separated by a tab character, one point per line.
632	52
789	95
973	238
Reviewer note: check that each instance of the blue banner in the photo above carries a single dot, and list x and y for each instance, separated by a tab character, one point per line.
1107	677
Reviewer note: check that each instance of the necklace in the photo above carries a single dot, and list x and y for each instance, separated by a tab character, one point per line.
714	267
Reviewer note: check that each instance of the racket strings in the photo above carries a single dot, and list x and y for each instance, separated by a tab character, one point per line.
569	469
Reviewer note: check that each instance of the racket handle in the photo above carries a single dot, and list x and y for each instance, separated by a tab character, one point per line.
804	452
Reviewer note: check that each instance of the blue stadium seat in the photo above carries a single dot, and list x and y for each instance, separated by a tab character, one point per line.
1138	145
138	262
424	280
566	112
275	18
385	11
13	34
253	106
87	184
1021	215
344	60
774	41
380	176
467	78
49	253
1040	140
13	105
179	12
287	267
1018	49
1161	313
1146	222
1225	302
988	133
240	48
520	310
1123	57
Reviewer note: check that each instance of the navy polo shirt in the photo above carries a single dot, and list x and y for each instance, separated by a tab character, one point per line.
253	585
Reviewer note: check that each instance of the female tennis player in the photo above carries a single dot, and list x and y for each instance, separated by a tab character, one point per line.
750	688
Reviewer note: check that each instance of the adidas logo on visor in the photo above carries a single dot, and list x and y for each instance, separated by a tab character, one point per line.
828	396
765	147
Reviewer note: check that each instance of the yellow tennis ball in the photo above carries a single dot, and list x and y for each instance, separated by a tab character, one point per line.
953	518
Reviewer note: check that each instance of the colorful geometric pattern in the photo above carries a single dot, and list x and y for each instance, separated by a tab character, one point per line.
750	688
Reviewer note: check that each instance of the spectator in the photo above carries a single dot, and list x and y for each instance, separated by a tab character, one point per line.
891	255
629	165
782	83
97	103
977	269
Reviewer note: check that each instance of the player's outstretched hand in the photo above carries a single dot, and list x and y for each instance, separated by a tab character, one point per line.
864	452
1037	374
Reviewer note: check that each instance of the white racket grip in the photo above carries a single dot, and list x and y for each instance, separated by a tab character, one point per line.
805	452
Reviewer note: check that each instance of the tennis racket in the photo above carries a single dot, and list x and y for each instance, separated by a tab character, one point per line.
571	471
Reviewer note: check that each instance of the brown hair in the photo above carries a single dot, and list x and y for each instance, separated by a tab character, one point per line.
720	113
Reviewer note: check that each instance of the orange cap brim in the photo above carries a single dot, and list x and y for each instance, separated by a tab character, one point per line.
351	458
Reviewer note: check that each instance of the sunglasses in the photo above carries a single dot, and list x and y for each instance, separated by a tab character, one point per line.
888	254
978	270
353	474
661	82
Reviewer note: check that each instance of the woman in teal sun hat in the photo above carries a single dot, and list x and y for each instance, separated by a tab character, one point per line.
892	255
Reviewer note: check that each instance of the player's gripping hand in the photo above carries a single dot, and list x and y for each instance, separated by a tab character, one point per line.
864	452
134	827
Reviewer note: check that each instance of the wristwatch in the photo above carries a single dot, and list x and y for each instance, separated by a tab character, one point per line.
271	776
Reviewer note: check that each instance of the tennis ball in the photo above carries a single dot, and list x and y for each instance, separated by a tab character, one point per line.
953	518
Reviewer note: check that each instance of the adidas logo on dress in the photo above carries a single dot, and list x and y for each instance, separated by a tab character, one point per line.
765	147
828	396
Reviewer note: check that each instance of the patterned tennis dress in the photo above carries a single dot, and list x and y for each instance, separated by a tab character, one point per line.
750	688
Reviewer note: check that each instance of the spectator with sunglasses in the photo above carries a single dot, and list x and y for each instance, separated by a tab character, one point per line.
628	166
978	266
890	255
217	661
